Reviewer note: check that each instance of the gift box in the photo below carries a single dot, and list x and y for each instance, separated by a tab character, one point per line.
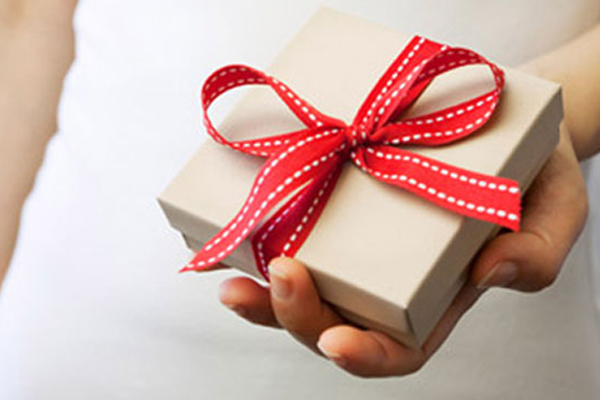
384	257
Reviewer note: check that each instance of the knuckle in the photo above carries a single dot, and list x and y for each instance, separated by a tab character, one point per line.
303	331
405	366
414	368
296	329
293	318
546	277
418	363
363	374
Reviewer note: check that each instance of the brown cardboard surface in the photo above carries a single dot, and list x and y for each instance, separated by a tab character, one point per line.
387	258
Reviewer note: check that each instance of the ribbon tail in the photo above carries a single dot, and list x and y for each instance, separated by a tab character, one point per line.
280	176
475	195
287	229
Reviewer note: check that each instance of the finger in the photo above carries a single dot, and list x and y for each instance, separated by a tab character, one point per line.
297	304
554	215
249	300
369	353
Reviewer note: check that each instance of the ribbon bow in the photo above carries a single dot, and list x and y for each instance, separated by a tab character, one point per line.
309	161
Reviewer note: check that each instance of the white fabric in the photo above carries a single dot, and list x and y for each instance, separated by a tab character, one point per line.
593	180
93	307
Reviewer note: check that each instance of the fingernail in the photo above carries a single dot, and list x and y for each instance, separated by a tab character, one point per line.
333	356
501	275
280	282
241	311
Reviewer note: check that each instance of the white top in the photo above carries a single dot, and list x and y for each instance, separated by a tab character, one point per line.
93	306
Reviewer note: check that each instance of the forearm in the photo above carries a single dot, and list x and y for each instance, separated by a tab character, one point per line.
576	66
36	49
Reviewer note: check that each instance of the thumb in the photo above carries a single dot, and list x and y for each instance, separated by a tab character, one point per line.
296	302
553	217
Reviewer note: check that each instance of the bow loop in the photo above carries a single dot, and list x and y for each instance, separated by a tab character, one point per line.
402	89
233	76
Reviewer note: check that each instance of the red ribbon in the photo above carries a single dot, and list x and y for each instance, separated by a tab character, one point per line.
308	162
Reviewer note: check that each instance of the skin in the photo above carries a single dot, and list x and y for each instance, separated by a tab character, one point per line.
36	49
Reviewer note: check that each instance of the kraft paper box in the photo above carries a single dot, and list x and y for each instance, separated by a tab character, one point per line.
385	258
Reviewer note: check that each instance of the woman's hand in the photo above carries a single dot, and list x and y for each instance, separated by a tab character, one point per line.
554	213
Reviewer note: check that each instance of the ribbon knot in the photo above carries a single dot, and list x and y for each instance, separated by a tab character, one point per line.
355	135
303	166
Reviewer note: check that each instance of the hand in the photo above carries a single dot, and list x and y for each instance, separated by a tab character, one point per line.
554	213
553	216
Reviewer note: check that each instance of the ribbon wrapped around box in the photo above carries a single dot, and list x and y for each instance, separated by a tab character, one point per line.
386	211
